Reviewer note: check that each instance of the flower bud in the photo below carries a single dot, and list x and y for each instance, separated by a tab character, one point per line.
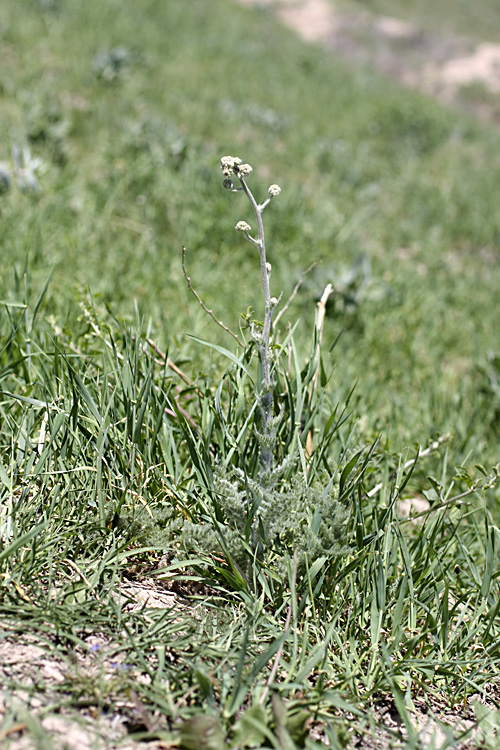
274	190
242	226
244	169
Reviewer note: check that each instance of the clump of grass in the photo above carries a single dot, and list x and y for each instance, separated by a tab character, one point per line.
322	600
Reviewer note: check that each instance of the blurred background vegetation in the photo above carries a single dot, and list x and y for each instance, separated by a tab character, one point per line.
130	109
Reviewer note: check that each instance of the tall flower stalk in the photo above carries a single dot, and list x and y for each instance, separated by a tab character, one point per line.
264	518
232	167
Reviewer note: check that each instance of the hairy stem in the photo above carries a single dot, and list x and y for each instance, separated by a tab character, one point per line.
264	349
266	399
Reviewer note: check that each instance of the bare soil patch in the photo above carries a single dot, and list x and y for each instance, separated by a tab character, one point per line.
78	700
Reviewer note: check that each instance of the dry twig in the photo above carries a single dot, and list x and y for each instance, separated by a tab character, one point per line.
169	362
190	287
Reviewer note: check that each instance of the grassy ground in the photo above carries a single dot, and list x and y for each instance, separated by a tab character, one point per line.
107	451
481	21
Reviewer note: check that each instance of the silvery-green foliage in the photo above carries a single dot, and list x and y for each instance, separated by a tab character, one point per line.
156	530
276	519
111	64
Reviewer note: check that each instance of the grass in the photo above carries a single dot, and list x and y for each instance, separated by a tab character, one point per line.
450	16
107	449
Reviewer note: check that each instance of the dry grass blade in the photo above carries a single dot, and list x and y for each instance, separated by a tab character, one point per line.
320	319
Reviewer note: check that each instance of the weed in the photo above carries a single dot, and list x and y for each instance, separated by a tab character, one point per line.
122	440
267	505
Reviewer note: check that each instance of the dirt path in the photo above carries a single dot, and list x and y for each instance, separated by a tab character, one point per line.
440	65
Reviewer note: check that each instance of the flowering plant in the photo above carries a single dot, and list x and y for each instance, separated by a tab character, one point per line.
272	499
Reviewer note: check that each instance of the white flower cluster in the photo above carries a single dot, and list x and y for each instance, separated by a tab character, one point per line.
228	164
274	190
233	165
